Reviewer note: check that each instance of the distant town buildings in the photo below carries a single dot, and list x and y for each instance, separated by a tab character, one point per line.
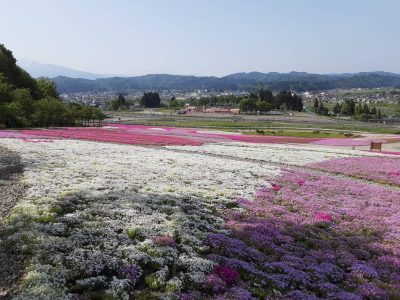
100	98
370	96
378	95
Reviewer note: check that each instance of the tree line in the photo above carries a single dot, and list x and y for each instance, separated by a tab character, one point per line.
265	100
26	102
148	100
351	108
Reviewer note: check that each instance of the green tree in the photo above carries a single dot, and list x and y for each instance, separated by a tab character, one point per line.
352	107
98	114
345	108
174	103
13	115
112	105
150	99
49	112
14	75
336	108
86	114
23	106
247	105
121	101
47	88
373	111
365	109
358	109
322	110
263	106
378	114
315	105
266	96
117	104
72	114
5	90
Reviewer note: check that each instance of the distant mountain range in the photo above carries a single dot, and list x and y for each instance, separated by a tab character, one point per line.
293	81
72	81
37	69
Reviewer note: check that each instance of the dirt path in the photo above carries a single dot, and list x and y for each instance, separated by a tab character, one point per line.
10	191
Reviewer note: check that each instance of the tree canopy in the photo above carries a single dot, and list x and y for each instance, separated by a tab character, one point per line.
25	101
264	100
150	99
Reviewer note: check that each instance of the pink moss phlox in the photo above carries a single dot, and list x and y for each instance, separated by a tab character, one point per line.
115	136
323	217
281	242
276	187
382	168
164	240
228	275
16	135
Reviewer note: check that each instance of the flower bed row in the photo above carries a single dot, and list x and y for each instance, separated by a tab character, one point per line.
154	135
382	169
147	136
106	135
15	135
205	135
298	155
354	141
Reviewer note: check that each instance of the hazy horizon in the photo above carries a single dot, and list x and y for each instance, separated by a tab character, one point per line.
205	38
103	75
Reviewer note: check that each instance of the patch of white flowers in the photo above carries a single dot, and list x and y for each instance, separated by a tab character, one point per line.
295	155
92	209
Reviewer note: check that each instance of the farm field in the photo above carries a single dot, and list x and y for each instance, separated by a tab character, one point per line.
149	212
297	121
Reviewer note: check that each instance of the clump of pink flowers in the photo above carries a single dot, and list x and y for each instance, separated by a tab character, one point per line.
323	217
113	135
228	275
164	240
276	187
221	278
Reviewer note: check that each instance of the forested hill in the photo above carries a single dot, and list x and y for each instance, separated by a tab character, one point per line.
14	76
297	81
26	102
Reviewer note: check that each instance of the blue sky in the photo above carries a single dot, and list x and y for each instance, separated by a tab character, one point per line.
205	37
